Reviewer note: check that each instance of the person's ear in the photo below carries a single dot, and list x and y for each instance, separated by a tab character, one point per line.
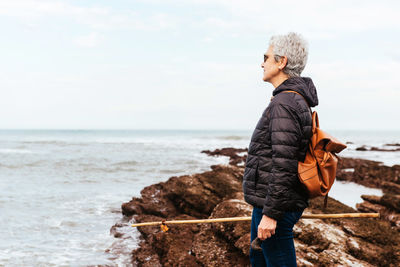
283	62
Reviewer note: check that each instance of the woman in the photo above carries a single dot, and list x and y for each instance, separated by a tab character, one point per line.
279	141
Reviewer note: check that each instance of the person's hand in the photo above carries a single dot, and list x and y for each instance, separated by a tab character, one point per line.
266	228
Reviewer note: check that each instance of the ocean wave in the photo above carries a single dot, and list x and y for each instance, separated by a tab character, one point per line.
70	224
43	142
31	164
171	171
88	181
9	166
117	140
56	143
232	137
81	162
109	170
126	163
190	162
15	151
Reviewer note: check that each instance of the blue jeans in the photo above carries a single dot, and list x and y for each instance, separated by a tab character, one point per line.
278	250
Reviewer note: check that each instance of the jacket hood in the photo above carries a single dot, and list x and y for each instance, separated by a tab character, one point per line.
302	85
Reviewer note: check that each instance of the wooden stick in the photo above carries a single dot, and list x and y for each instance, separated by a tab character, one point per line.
236	219
340	215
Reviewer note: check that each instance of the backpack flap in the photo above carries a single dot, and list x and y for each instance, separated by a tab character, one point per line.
326	142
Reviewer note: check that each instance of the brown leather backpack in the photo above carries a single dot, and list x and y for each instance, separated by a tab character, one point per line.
318	171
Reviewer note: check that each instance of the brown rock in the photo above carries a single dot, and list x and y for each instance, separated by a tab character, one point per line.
369	207
384	149
213	251
145	256
243	243
232	208
391	201
192	196
388	206
389	187
233	153
152	202
367	172
392	144
131	207
372	199
385	213
364	148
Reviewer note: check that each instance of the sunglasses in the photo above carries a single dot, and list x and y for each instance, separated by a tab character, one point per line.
266	57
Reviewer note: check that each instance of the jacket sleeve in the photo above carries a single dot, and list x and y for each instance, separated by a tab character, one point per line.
285	132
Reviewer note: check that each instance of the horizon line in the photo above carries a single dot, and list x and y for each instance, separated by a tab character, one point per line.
169	129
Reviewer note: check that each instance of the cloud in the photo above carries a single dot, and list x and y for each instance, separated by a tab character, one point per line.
98	18
90	40
38	8
208	39
361	76
324	20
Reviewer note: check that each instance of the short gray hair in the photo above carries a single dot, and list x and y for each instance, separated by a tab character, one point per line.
295	48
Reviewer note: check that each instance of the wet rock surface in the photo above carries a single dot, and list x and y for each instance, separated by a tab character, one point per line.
368	173
373	148
396	144
374	174
236	155
218	193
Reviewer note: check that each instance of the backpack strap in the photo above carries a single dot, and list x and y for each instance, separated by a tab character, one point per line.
291	91
315	121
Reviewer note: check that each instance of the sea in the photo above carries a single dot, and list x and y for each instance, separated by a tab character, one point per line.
62	190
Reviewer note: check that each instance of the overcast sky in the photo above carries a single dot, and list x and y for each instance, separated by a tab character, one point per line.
191	64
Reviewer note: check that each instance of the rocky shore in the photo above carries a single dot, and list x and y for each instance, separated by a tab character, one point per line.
374	174
218	193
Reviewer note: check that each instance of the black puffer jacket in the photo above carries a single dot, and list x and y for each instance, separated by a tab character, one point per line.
279	141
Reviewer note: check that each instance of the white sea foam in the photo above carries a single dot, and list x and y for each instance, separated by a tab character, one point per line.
15	151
